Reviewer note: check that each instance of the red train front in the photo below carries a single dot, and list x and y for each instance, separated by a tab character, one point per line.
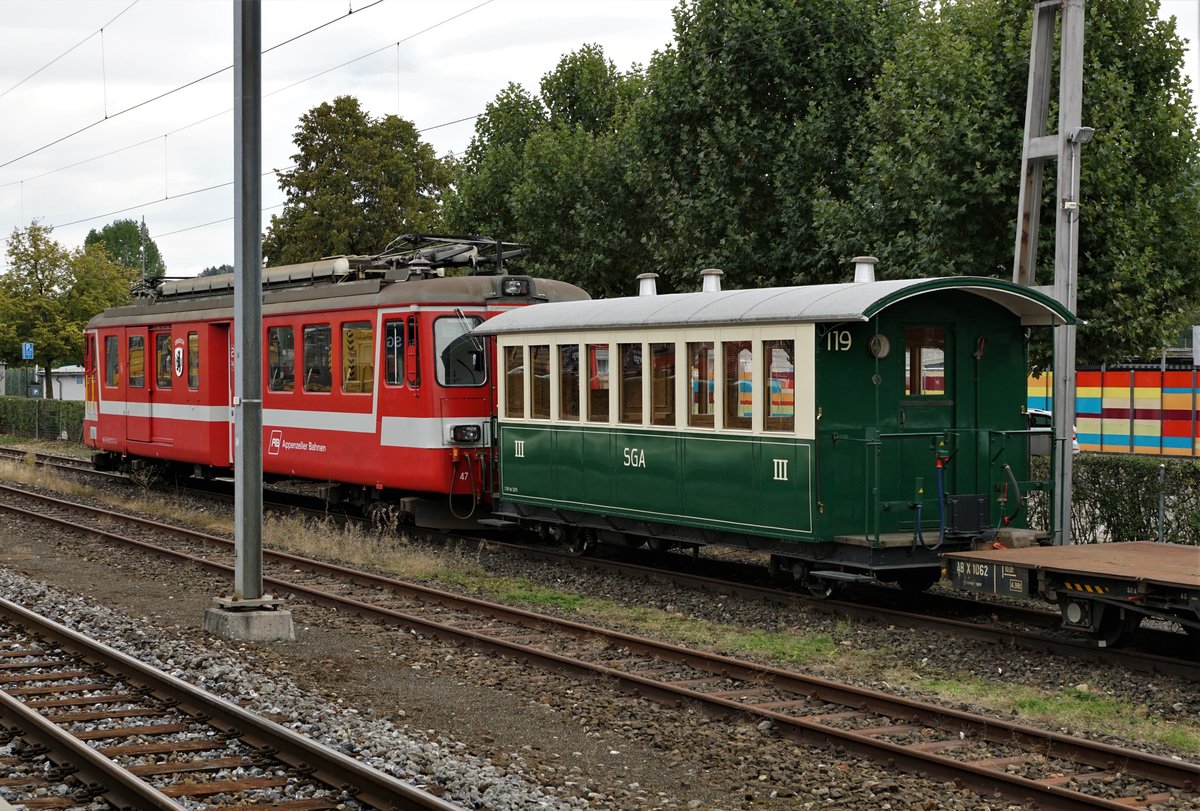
373	393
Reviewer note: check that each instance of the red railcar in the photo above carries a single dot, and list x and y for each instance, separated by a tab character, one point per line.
373	392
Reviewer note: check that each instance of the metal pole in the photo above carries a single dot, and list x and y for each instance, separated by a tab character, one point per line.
1066	252
1162	499
247	296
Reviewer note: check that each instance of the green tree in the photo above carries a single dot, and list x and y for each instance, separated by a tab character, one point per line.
550	170
357	184
125	240
493	165
49	293
936	175
217	270
745	118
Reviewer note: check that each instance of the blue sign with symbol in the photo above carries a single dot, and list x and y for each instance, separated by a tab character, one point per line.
27	351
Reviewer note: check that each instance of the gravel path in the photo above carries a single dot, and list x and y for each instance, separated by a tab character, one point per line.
492	733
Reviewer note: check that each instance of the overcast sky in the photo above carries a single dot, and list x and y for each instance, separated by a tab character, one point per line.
171	160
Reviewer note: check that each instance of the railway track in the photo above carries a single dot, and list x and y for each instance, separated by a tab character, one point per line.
1000	623
1027	765
117	729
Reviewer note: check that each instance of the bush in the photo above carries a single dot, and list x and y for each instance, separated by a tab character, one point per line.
41	419
1116	498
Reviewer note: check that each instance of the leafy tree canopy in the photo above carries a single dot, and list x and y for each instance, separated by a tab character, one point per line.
217	270
124	240
358	183
548	169
935	184
49	293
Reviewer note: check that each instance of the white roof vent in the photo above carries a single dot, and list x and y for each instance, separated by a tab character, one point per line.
864	269
647	284
711	280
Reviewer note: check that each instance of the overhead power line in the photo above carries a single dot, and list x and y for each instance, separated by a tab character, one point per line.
99	30
184	86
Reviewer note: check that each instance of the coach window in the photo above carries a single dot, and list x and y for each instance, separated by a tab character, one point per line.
358	357
702	374
112	361
193	360
924	362
539	384
738	359
514	382
162	360
281	359
662	387
598	382
568	382
318	365
137	361
393	353
461	359
779	385
630	391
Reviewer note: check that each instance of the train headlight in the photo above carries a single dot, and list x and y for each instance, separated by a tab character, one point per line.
512	286
466	433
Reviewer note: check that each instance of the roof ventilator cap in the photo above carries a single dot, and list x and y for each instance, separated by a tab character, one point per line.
647	284
864	269
711	280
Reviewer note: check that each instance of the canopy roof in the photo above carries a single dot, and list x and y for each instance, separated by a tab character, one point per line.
815	303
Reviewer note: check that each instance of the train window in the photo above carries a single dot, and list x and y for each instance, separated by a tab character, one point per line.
702	372
539	389
412	356
779	379
393	350
193	360
631	383
662	387
112	361
739	372
318	363
461	360
598	384
358	357
924	362
137	361
281	359
568	382
162	360
514	382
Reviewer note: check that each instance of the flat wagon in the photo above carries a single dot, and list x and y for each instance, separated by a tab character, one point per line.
1104	589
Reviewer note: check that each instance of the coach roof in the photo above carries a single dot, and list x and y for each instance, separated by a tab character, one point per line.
813	303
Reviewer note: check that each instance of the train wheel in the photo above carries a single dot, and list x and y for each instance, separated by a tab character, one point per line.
574	542
919	581
1116	627
818	587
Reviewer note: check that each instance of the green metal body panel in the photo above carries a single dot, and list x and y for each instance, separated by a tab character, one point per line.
727	483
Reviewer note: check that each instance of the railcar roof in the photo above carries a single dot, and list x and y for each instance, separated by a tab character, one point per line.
451	291
818	303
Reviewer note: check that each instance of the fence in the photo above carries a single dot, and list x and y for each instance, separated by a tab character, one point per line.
41	419
1135	409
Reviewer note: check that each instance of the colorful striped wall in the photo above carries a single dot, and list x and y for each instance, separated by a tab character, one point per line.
1131	410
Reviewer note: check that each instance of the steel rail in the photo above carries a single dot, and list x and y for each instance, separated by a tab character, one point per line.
121	789
1096	755
370	786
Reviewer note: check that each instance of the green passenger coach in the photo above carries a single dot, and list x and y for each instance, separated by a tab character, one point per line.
851	430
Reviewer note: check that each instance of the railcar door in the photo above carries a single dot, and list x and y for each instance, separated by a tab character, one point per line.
221	393
164	373
926	416
137	392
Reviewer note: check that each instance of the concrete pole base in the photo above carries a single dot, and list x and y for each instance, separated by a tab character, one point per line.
249	620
